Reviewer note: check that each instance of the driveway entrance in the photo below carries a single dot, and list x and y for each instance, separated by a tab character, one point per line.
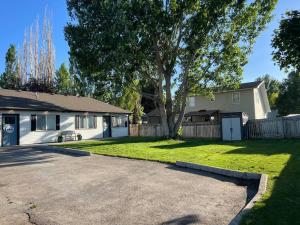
40	187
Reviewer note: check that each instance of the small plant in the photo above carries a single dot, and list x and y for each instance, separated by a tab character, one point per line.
60	138
79	137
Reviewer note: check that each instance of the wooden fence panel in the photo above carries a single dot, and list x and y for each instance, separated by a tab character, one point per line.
145	130
201	130
273	128
134	130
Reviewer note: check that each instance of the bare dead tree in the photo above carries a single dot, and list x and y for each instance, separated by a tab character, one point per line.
25	59
37	61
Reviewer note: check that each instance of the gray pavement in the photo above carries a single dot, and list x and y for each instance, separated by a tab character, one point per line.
42	187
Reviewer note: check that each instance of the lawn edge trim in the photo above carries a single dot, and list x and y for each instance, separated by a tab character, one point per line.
135	158
262	187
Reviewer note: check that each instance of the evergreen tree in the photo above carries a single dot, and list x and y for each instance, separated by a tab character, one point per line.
62	80
9	79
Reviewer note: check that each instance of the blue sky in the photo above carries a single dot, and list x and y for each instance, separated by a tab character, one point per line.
15	15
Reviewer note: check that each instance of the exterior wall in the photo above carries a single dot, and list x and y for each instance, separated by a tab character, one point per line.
67	122
262	107
223	101
119	131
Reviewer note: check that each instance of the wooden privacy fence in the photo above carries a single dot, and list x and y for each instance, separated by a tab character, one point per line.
189	130
149	130
205	130
282	127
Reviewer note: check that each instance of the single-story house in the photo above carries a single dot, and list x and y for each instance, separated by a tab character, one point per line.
32	117
250	98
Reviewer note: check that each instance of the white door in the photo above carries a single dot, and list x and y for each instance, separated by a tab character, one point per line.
226	125
231	129
236	129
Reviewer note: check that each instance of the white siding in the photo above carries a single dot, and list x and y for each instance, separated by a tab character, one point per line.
119	131
67	122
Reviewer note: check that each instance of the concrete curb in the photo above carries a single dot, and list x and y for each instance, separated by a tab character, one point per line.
263	179
67	150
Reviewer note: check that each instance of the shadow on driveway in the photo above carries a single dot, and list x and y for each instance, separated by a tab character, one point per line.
28	156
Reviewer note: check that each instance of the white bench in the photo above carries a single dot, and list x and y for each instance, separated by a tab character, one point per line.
68	135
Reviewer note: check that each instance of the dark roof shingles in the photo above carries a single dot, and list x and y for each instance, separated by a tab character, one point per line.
36	101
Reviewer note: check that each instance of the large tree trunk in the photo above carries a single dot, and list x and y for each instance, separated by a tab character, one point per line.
169	106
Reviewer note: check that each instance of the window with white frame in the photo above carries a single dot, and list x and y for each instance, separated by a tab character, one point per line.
119	121
192	101
236	98
85	122
42	122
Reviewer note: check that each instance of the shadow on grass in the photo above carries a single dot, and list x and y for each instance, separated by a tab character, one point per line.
113	141
283	205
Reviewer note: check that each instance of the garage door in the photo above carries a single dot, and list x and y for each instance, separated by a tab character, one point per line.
231	129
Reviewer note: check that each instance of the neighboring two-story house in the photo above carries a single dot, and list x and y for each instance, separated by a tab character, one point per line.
250	98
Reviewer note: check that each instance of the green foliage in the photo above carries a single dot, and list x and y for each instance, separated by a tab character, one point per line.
131	100
179	46
9	79
273	87
288	101
62	80
277	158
286	42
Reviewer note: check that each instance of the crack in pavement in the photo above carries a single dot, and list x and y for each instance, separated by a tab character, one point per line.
29	218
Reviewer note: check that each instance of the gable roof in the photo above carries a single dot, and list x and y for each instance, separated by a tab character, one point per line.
242	86
37	101
250	85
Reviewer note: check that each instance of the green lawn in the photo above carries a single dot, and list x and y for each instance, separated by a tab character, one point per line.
280	159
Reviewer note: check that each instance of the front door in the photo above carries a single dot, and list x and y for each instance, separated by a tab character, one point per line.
10	129
106	127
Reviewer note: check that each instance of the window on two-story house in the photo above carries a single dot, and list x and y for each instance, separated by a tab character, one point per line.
236	98
192	101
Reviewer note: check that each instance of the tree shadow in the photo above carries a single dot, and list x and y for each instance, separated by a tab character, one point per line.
282	204
251	185
184	220
188	143
112	141
24	156
28	156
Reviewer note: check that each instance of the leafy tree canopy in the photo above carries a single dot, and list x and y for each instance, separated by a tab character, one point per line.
288	101
286	42
62	80
272	86
175	44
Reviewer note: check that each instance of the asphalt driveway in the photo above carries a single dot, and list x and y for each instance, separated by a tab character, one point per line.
40	187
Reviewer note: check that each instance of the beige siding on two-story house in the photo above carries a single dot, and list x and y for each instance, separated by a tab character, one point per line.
224	102
261	102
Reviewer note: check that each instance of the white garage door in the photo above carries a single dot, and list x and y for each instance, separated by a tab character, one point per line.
231	129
